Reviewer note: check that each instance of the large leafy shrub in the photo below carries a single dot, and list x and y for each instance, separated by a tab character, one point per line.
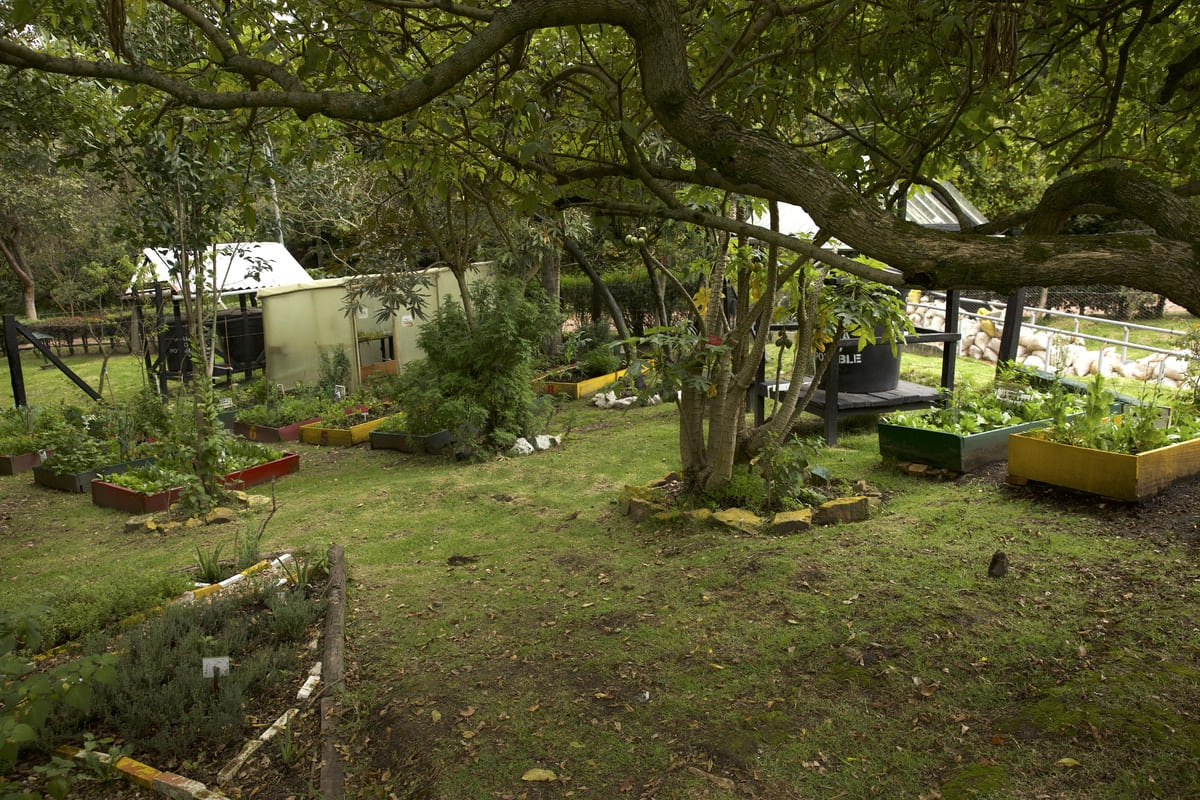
476	376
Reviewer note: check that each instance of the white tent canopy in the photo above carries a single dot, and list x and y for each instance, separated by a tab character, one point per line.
241	267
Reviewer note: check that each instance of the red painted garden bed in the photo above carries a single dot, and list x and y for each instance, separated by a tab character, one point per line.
110	495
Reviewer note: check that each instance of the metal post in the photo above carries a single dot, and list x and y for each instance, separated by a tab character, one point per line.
15	375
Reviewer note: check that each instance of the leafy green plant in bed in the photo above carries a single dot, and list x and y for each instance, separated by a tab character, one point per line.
151	479
23	430
29	698
284	411
239	454
969	411
354	410
1140	428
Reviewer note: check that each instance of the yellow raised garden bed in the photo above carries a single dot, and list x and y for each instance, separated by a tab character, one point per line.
1117	475
578	389
339	437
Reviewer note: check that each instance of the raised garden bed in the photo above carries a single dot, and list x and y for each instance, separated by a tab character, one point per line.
339	437
261	473
1121	476
21	462
265	433
428	444
110	495
952	451
577	389
79	482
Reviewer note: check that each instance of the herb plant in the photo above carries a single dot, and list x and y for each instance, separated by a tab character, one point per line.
1144	426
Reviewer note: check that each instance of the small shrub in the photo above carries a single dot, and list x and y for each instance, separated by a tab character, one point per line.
163	660
208	565
292	612
334	369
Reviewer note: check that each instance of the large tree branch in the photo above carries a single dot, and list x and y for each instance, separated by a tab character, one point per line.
750	159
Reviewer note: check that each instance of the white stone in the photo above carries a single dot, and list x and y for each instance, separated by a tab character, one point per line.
521	447
624	402
542	442
1034	361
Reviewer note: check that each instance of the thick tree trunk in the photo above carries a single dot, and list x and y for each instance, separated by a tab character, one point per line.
11	250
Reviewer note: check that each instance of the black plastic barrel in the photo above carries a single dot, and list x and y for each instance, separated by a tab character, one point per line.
873	369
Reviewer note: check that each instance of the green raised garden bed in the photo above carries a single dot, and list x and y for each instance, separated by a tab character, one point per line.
80	482
428	444
952	451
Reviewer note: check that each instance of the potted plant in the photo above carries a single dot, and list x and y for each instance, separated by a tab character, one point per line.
870	321
1128	456
972	428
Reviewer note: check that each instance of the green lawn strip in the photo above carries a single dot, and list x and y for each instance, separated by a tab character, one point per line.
874	657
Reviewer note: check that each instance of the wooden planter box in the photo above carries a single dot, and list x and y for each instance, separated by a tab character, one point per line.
110	495
11	465
264	433
429	444
339	437
952	451
578	389
79	482
1116	475
253	476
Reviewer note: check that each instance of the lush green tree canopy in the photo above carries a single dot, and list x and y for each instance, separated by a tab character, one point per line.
829	105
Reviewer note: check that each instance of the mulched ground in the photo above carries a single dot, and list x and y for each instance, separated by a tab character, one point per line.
1171	516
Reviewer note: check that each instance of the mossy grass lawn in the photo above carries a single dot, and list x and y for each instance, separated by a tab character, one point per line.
503	616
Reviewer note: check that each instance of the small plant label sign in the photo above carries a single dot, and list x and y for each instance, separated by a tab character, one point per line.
215	666
226	403
339	391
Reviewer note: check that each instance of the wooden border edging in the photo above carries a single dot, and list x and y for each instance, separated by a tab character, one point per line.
333	673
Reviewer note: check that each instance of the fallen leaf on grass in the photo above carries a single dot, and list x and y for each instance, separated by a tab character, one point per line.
1067	762
539	774
436	716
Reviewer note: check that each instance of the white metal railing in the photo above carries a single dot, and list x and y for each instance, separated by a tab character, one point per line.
1035	313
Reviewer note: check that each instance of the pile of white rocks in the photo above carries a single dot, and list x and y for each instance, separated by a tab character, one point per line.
610	400
523	446
1054	352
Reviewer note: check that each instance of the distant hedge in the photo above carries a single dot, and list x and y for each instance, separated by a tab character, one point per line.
632	293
